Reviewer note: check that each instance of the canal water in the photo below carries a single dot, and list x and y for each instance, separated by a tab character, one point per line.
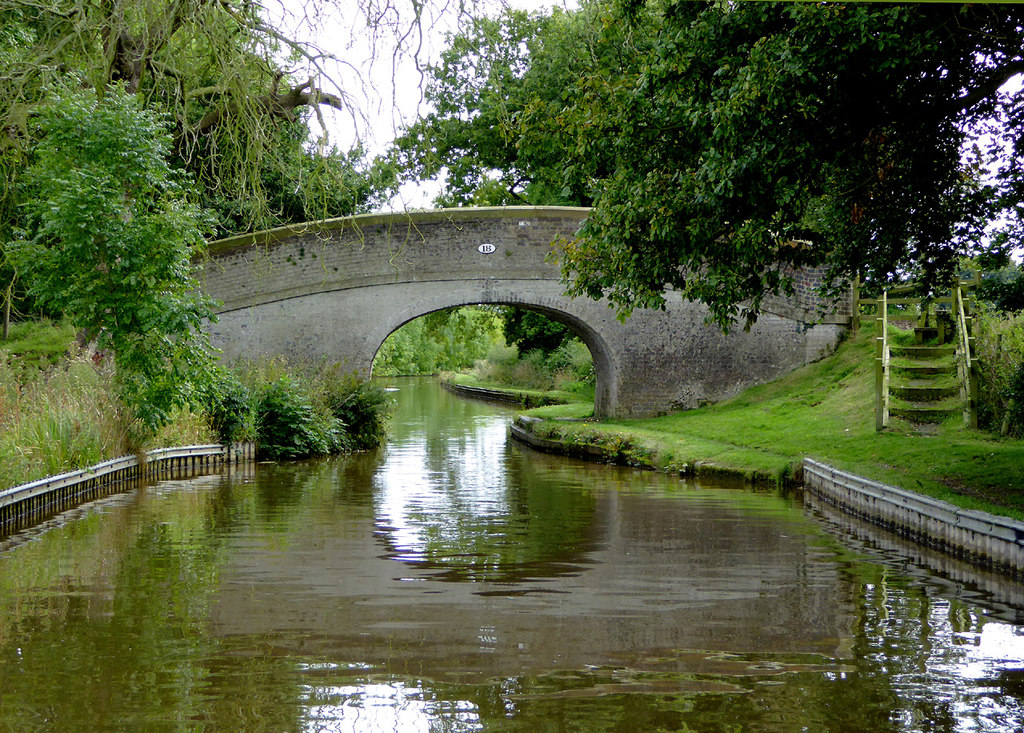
456	581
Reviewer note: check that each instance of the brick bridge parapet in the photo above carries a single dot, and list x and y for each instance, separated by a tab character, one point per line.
338	288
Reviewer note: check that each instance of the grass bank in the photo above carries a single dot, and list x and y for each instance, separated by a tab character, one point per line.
518	395
60	409
824	411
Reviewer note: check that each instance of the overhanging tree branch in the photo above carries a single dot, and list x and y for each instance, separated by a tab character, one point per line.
277	105
990	86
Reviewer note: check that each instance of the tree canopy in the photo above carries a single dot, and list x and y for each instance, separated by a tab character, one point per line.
533	331
725	144
109	241
132	129
497	94
221	73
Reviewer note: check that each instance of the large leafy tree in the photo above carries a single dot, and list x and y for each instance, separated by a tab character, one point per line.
725	144
118	120
530	331
109	240
759	137
495	133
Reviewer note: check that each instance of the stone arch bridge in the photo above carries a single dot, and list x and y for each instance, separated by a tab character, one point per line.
337	289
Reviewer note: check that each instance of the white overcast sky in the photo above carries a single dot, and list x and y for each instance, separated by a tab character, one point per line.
378	71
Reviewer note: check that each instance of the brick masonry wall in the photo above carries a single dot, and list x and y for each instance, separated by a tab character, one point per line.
339	290
377	250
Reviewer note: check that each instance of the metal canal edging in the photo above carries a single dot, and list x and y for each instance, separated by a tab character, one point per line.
28	504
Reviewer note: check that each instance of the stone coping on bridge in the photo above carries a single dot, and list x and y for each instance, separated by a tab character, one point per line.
411	219
231	245
339	288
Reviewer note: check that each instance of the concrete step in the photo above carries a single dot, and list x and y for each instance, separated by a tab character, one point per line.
924	414
937	409
918	368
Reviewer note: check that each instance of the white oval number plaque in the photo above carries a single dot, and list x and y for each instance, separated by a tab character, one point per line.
486	249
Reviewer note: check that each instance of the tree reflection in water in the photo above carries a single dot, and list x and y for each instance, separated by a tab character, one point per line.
453	582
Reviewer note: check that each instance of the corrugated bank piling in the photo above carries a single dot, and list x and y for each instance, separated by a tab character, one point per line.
978	537
28	504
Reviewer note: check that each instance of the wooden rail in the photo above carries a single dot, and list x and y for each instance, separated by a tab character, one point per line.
896	297
966	363
903	295
28	504
882	360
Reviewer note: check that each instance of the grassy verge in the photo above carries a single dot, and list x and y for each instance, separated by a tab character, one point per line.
824	411
59	412
522	395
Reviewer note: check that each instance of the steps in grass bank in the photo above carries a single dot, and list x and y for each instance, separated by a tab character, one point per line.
926	380
924	387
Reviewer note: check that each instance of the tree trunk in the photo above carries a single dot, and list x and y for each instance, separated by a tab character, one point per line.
7	310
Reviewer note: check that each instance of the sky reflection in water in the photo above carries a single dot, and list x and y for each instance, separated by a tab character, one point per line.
458	583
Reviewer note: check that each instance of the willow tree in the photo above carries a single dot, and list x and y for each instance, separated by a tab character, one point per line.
121	121
221	73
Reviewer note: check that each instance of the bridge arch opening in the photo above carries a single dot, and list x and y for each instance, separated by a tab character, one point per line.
337	289
390	338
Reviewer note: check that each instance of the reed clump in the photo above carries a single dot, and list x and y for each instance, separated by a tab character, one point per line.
60	411
57	420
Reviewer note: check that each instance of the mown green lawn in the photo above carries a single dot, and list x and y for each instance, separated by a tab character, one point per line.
824	411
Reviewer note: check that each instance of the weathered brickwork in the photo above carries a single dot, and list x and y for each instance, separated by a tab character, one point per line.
340	289
806	304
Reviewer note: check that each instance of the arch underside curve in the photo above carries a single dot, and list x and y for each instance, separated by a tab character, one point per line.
351	325
543	296
654	362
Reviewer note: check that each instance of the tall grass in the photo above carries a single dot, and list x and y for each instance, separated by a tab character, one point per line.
60	411
54	422
68	416
1000	350
568	368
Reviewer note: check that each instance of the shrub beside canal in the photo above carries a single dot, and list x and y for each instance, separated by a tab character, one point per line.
1001	353
59	409
298	410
